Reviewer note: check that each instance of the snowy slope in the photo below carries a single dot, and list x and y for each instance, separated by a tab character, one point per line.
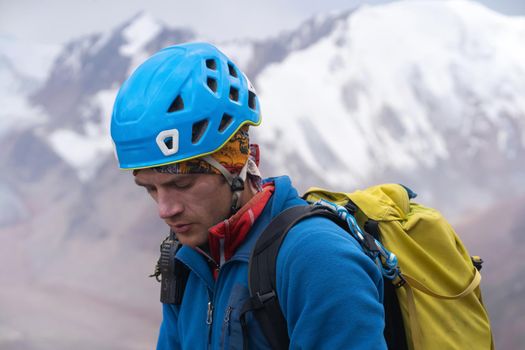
393	85
23	67
87	149
33	60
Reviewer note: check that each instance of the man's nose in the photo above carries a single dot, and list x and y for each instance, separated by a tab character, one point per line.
168	205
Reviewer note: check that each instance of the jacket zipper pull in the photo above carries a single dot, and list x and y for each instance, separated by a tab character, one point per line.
209	319
228	313
227	318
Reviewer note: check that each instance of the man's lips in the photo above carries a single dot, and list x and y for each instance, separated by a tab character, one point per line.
180	228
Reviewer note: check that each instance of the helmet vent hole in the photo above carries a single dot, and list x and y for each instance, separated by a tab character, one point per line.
168	141
233	71
211	64
198	130
234	94
176	105
225	122
251	100
212	84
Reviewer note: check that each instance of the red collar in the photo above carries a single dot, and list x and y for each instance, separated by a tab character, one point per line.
235	229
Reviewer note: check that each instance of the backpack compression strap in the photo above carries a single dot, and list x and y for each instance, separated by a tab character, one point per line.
263	300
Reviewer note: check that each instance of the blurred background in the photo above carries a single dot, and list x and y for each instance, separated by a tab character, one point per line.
427	93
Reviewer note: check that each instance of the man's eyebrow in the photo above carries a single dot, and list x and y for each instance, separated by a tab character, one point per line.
177	180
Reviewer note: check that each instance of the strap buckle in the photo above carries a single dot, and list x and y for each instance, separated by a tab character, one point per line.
237	184
399	281
264	298
477	262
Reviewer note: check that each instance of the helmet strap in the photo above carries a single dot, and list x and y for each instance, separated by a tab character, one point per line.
236	182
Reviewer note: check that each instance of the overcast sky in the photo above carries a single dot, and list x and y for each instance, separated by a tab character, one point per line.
56	21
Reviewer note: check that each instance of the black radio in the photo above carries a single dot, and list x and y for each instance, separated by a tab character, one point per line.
173	273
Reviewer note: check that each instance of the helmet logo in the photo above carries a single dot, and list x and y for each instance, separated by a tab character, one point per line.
168	141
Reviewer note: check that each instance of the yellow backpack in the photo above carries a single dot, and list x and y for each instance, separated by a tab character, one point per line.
438	286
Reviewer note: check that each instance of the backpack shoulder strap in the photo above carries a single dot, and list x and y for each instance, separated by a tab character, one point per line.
263	300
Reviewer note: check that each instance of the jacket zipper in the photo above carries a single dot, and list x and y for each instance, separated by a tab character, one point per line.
209	315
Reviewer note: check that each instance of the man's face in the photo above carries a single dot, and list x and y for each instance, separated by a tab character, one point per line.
189	203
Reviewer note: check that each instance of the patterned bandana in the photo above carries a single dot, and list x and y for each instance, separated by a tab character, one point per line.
233	156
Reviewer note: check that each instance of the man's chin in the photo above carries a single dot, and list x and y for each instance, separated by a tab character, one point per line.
192	239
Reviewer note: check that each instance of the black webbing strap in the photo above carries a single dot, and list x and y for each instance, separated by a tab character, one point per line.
394	328
394	331
263	300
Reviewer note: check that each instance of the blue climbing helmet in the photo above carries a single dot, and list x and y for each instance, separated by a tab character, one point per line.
185	101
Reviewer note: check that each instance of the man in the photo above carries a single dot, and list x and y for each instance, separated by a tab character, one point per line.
180	122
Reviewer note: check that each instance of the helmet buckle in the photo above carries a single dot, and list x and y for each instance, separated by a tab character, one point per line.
237	184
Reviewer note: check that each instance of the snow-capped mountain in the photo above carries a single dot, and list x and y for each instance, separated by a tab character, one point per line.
24	67
82	85
427	93
424	93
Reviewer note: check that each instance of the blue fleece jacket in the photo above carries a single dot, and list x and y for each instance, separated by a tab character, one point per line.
329	290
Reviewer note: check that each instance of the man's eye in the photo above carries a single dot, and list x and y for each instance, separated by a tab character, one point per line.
182	184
